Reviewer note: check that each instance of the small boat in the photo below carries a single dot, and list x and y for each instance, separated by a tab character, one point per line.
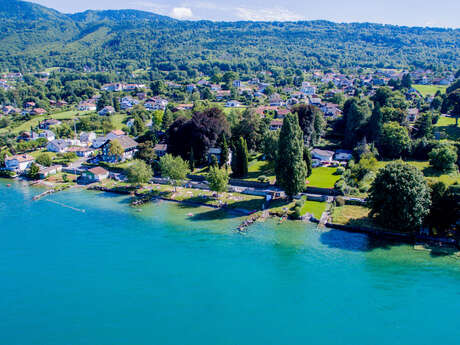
190	215
8	185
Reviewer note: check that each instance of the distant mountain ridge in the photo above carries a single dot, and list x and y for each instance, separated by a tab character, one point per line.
34	37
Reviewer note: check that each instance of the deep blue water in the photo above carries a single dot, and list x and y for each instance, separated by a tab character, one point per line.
116	275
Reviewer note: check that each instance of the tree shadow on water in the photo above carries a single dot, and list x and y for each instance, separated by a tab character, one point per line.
356	242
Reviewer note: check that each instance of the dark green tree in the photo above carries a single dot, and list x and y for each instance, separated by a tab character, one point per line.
33	172
224	151
308	160
291	169
443	157
394	141
240	159
399	197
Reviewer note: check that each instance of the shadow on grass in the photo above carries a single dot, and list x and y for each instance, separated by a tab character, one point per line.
452	131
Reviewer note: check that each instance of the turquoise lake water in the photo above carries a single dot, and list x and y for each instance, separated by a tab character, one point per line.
116	275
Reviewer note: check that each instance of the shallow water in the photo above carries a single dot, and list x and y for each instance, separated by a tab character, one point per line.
117	275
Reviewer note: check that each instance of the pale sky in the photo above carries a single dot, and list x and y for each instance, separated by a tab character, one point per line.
442	13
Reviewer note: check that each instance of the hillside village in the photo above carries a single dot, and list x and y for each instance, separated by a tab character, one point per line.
148	120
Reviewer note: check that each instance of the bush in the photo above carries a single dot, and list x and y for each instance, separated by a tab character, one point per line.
340	170
44	159
443	157
263	179
297	211
340	201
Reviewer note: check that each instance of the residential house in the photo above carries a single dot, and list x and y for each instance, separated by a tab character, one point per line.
190	88
343	155
87	138
18	163
156	104
217	152
133	87
10	110
161	150
412	114
115	134
141	95
58	146
322	155
308	89
221	94
331	109
48	171
233	104
29	105
237	83
129	146
28	136
275	100
48	135
81	151
106	111
113	87
276	124
46	124
38	111
87	106
184	107
98	142
96	174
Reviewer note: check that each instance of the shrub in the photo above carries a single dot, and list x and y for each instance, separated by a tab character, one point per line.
340	170
340	201
263	179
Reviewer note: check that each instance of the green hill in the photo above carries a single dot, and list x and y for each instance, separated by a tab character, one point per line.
35	37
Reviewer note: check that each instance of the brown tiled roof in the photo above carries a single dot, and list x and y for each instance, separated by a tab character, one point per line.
126	142
98	171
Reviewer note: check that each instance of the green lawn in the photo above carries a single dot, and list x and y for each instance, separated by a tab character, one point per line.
351	215
258	168
118	120
429	172
431	90
447	126
323	177
66	115
445	121
316	208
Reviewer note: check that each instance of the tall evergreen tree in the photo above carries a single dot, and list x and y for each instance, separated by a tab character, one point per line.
291	169
308	160
192	160
224	153
240	159
375	122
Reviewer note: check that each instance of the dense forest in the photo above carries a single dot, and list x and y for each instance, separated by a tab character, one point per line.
34	37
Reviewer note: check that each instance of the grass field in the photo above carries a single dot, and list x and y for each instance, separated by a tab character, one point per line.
351	215
66	115
447	126
323	177
429	90
316	208
118	120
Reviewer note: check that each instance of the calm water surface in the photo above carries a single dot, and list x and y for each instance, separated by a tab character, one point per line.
116	275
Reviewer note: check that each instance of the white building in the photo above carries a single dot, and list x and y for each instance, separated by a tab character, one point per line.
18	163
